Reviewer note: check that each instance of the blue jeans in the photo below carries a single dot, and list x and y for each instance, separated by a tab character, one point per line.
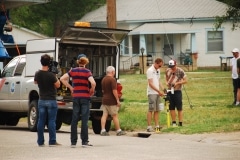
80	107
47	109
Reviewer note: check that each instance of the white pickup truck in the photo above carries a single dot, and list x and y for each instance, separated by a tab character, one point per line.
19	95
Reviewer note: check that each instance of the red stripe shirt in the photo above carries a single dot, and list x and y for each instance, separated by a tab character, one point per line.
80	82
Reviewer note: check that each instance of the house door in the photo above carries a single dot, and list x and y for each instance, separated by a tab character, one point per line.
168	47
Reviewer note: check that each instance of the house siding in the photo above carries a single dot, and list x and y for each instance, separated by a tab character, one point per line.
22	35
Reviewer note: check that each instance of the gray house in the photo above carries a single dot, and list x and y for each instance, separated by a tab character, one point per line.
171	29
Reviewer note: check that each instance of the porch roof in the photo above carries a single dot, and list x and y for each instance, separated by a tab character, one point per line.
161	28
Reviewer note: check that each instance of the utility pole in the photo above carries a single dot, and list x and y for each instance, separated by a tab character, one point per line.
111	14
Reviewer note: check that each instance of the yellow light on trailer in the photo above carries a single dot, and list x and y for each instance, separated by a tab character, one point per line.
82	24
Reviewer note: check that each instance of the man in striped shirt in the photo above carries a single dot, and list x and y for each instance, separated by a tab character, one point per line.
81	93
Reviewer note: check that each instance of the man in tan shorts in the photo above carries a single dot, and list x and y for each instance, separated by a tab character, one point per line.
110	101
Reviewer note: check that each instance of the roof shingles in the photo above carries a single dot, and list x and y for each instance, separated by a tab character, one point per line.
136	10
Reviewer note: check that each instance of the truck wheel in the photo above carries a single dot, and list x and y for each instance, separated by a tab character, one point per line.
33	116
58	124
96	125
59	120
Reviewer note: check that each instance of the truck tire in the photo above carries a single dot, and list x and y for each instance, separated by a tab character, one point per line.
58	124
96	125
59	120
33	116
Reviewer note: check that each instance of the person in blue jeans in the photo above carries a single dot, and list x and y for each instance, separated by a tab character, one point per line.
81	93
47	104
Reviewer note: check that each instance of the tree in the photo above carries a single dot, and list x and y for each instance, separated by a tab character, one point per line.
232	14
51	18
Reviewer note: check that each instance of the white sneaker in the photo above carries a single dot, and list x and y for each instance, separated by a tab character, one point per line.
150	129
174	125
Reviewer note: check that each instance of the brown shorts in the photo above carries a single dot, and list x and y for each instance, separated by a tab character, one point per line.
110	110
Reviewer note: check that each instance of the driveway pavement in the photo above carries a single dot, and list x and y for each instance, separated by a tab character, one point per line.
17	143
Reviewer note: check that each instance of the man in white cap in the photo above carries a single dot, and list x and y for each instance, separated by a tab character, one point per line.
233	64
175	77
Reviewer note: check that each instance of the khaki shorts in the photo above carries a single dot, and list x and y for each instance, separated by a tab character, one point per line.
153	101
110	110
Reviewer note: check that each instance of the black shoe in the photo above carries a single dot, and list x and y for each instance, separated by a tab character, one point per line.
41	145
73	146
86	144
55	144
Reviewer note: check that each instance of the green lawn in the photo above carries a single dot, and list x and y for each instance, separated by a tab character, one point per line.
210	93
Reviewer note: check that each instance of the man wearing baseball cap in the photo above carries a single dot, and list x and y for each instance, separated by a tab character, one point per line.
233	64
175	78
81	93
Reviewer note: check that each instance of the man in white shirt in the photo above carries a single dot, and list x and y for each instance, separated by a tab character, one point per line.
233	62
153	92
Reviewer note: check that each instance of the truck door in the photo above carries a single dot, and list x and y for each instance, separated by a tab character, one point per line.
16	82
10	83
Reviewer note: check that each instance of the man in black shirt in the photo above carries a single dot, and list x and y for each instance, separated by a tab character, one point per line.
47	104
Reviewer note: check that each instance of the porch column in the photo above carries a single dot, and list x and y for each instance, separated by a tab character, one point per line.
193	42
142	43
130	49
194	54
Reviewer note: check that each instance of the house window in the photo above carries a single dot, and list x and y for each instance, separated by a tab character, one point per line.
135	44
214	41
125	47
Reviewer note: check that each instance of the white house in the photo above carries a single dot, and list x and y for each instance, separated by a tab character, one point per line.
171	29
